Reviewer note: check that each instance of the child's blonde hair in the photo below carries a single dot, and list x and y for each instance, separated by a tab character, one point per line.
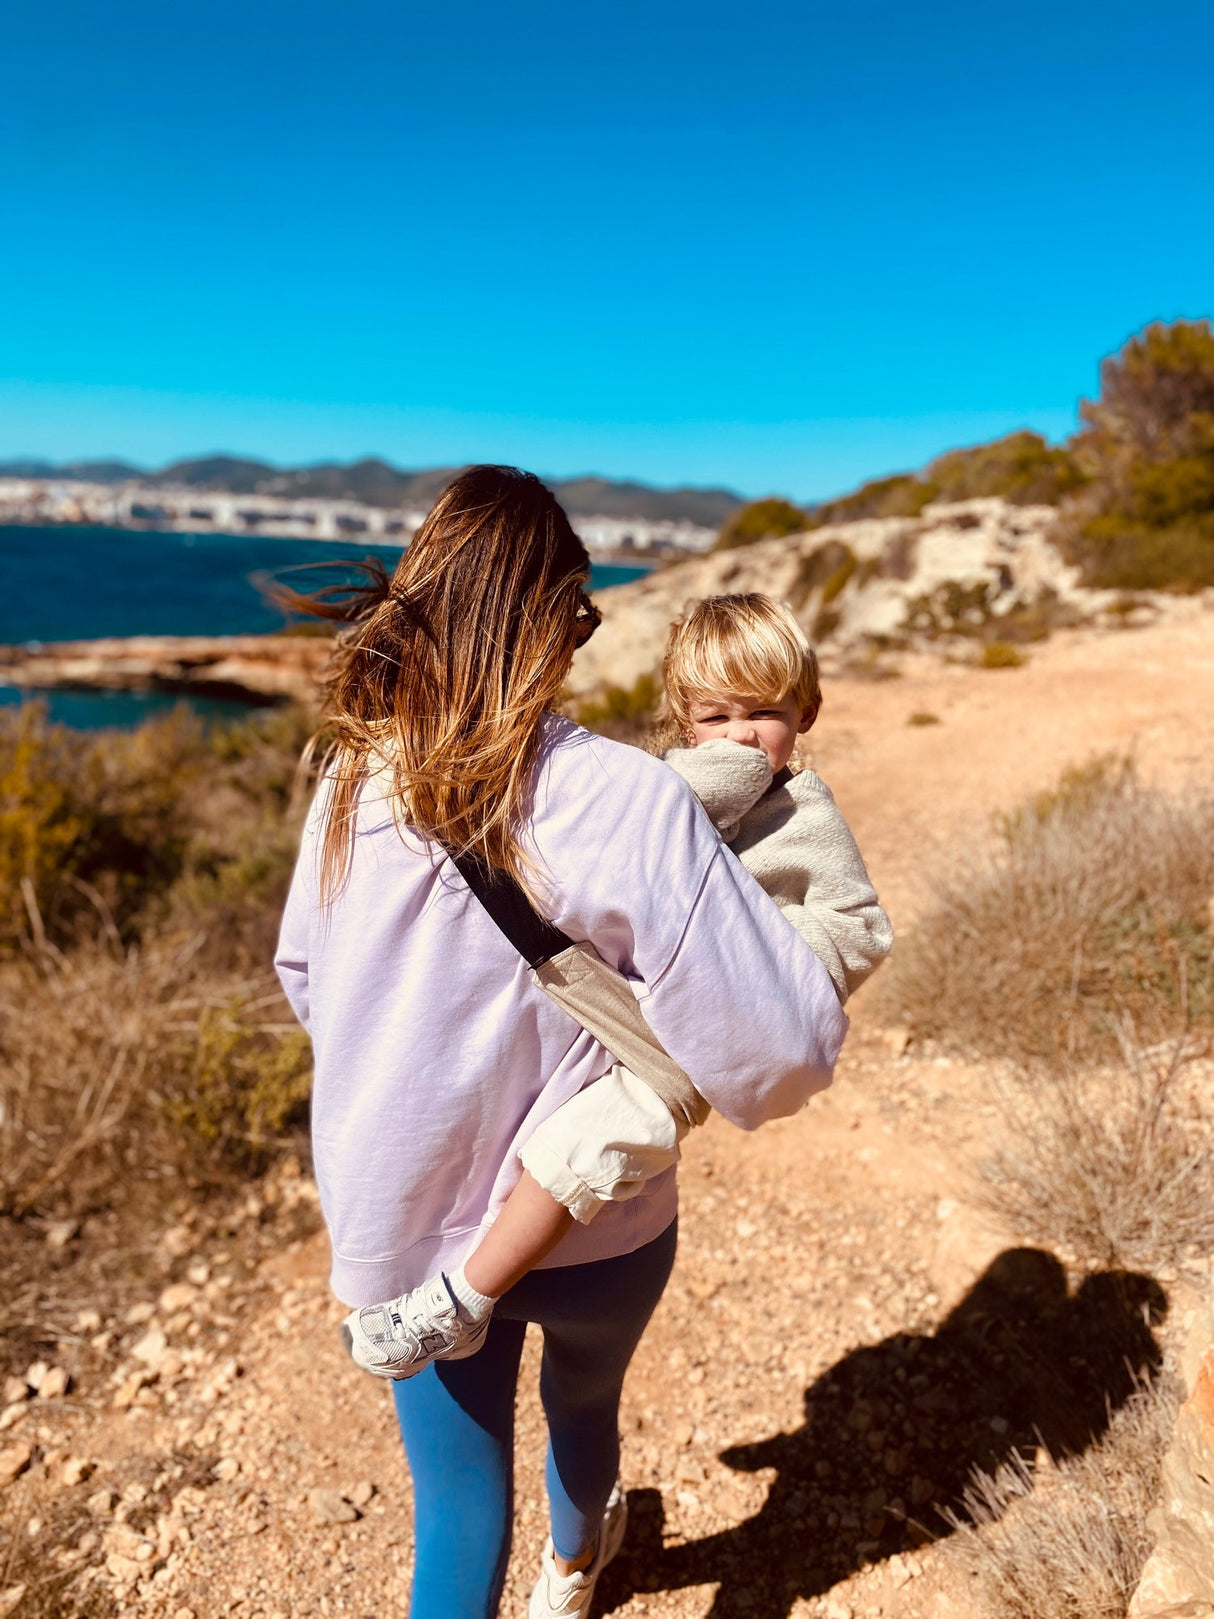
748	644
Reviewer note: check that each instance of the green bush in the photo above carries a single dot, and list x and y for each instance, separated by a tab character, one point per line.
1147	522
904	495
824	563
1021	468
761	520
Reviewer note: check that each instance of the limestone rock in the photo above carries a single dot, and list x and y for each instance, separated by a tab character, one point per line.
328	1506
1178	1581
151	1347
1002	554
131	1387
15	1388
55	1384
14	1460
177	1297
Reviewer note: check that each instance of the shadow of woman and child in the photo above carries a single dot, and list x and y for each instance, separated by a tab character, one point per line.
893	1432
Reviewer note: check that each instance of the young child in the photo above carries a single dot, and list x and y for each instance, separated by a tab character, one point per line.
741	684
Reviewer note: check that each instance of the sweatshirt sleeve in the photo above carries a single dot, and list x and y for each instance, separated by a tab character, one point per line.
812	867
726	778
750	1016
291	956
725	985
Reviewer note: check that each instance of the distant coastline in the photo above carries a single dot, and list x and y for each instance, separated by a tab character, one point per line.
272	513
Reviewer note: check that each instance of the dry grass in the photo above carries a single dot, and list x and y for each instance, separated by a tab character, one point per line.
1114	1165
121	1066
1070	1543
142	1033
1092	903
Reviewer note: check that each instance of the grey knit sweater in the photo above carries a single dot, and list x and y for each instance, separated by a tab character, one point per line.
792	839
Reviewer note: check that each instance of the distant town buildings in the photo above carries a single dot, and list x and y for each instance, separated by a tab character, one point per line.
55	501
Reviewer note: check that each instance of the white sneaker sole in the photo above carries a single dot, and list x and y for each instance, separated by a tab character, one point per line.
611	1538
398	1373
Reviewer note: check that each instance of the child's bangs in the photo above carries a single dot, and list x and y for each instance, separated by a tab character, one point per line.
763	664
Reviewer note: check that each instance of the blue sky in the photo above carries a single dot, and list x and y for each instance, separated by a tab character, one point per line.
777	246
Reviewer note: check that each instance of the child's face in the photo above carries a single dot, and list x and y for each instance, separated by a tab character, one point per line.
752	721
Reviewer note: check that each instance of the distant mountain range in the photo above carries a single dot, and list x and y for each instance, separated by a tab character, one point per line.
376	483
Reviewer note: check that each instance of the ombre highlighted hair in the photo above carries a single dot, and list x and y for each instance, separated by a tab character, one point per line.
747	644
446	669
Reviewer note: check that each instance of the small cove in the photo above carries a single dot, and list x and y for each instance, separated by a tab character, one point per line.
80	584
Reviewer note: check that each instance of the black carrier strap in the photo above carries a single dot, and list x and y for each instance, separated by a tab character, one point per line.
535	940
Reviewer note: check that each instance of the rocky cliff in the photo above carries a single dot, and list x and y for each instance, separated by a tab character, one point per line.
975	570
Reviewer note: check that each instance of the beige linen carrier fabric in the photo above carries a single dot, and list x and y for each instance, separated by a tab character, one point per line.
600	1000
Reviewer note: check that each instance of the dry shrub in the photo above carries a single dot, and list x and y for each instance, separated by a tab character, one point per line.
90	824
1092	903
128	827
1113	1165
244	1081
1001	655
625	714
1070	1544
121	1066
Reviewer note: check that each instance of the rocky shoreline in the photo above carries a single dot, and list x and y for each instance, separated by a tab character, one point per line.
260	670
950	582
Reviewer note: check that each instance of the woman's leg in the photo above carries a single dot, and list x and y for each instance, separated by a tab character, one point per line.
592	1318
457	1421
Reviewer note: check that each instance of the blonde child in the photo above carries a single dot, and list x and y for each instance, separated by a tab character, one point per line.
741	684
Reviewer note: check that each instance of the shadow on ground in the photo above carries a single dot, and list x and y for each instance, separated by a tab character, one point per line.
894	1431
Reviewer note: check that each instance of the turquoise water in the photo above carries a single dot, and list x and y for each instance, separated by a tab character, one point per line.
118	710
77	584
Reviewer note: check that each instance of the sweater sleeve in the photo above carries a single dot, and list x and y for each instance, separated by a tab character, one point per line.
811	866
726	777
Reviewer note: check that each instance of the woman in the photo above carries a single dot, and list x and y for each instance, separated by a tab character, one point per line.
435	1053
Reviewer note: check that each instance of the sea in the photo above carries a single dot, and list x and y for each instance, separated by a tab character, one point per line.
78	584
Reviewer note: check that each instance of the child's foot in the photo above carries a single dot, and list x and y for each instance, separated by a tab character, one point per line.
400	1338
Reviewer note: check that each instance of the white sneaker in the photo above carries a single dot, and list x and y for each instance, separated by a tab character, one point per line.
563	1596
400	1338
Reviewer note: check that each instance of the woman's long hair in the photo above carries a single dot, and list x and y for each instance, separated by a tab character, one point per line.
441	680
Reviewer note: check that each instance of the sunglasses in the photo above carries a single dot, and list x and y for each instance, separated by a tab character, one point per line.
586	620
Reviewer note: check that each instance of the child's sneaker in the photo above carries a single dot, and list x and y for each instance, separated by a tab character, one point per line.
565	1596
400	1338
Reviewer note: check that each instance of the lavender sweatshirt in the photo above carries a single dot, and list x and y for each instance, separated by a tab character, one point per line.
436	1056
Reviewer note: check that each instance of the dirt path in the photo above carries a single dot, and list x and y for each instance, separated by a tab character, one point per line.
814	1376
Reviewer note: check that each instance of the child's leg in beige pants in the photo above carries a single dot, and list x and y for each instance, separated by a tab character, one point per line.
604	1144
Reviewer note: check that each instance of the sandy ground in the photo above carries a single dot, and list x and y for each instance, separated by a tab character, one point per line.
835	1349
